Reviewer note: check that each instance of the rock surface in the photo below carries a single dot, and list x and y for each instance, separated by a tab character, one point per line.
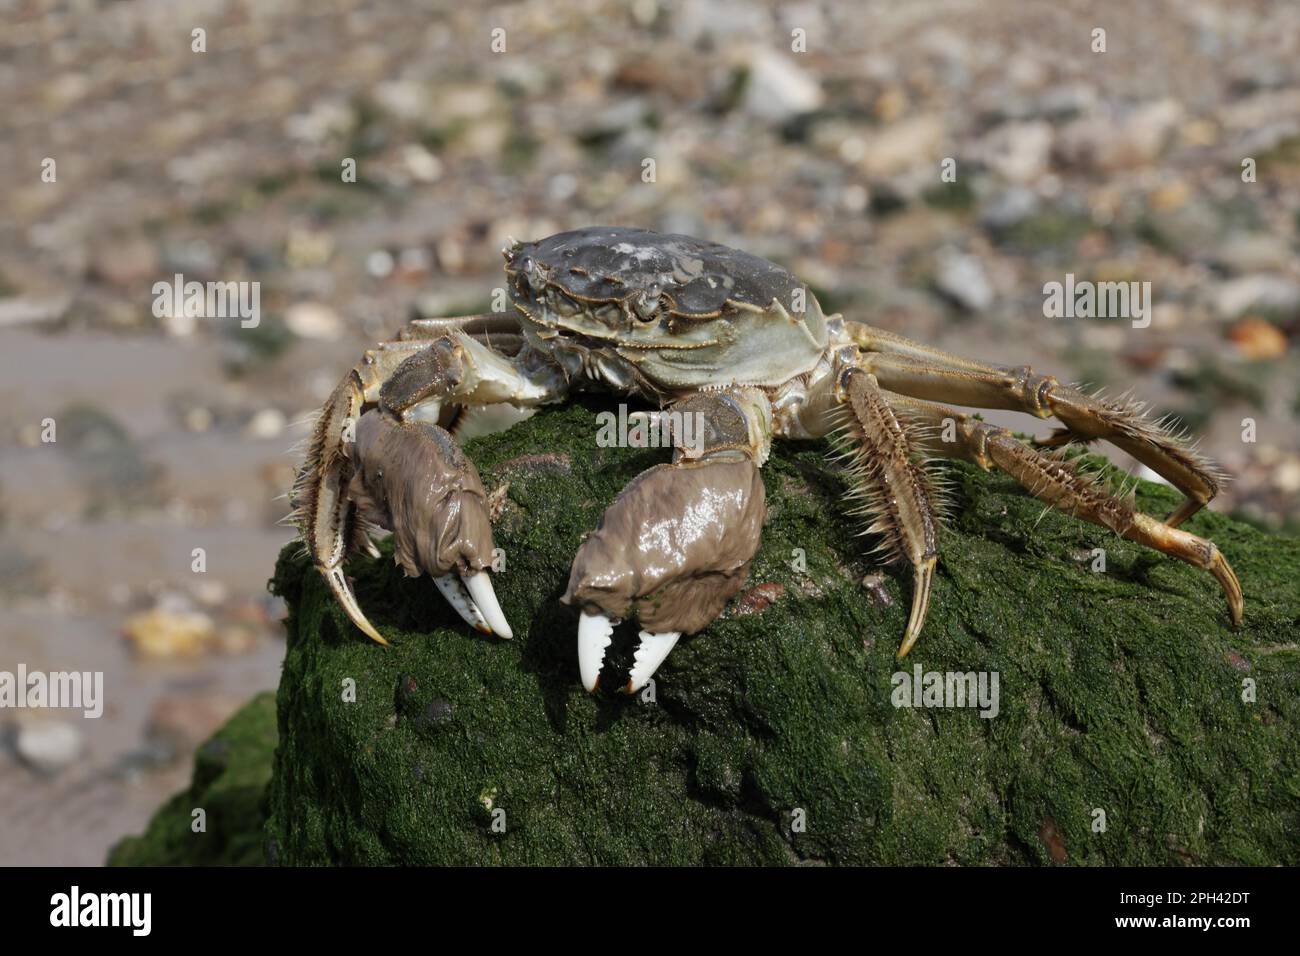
771	737
231	774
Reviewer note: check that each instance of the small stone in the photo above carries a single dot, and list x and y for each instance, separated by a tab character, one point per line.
437	711
379	264
211	592
1170	196
313	320
902	146
48	745
22	310
778	88
423	166
1249	252
960	277
875	588
268	423
1257	339
757	600
1258	293
1009	208
1107	143
1018	152
1286	477
308	248
165	635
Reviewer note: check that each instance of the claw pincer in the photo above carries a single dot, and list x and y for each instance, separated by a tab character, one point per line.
417	483
676	546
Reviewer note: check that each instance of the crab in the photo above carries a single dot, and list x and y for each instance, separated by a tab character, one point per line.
738	347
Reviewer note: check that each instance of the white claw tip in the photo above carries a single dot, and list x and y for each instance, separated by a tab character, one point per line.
595	634
479	586
653	651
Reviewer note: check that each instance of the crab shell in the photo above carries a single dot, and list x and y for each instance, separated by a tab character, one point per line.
663	312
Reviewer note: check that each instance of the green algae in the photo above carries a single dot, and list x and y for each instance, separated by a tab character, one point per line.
771	737
231	773
1122	735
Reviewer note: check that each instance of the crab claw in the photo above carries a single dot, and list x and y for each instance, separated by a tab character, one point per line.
653	651
461	602
430	494
595	632
674	547
479	586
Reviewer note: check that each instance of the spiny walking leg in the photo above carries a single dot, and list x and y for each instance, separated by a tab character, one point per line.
893	486
917	370
1054	481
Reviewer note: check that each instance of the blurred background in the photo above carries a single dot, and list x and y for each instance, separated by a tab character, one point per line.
225	165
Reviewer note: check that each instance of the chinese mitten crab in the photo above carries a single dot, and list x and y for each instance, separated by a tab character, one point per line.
741	346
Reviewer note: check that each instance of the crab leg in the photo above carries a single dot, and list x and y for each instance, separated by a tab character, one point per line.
322	509
1057	483
913	369
893	486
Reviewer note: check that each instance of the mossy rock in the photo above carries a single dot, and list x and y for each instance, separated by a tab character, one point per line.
772	737
231	774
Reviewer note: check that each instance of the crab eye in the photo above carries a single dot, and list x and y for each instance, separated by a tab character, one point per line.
534	273
646	304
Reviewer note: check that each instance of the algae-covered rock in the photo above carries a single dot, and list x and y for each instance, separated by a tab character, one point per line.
1132	726
231	773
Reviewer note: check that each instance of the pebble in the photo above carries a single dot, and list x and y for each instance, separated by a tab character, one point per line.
1257	339
961	278
28	310
48	745
1258	293
1242	253
779	88
313	320
166	634
267	423
1008	208
1018	152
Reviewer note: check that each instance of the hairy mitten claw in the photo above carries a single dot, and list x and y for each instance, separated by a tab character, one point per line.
674	547
415	480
